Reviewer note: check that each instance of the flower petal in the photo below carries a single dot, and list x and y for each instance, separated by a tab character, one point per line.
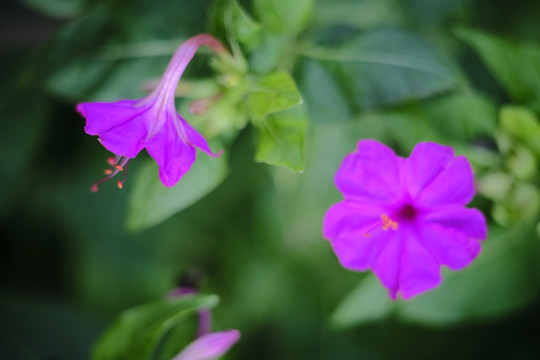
426	161
371	173
354	231
386	262
121	126
209	346
171	153
356	251
470	222
197	139
453	186
349	216
450	247
419	270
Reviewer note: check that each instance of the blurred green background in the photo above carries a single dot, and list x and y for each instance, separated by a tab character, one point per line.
464	73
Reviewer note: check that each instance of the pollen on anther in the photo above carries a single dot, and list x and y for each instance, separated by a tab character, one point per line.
108	171
112	161
119	168
388	223
120	184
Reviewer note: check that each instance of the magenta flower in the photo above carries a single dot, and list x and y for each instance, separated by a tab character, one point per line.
209	346
404	218
125	127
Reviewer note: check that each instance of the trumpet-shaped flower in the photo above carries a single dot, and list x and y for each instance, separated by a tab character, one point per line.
125	127
404	218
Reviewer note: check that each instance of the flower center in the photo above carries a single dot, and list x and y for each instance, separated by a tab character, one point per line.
406	212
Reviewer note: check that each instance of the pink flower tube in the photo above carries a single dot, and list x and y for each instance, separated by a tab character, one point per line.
404	218
125	127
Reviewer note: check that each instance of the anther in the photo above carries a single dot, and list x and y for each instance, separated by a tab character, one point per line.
385	223
388	223
118	163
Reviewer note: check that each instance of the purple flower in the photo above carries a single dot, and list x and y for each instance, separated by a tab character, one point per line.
209	346
125	127
404	218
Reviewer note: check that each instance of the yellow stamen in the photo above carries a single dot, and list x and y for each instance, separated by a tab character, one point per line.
388	223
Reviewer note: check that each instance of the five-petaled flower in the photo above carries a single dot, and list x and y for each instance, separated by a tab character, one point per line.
404	218
125	127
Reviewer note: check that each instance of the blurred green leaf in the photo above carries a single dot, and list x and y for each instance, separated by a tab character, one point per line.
151	202
269	53
324	96
463	116
57	8
521	202
105	80
521	163
246	29
281	139
387	66
515	65
523	125
366	303
272	93
283	16
137	333
359	14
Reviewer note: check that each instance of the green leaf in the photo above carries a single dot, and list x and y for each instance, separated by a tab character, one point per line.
272	93
462	116
387	67
281	139
523	125
245	28
137	333
57	8
284	16
151	203
515	65
269	54
368	302
324	96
